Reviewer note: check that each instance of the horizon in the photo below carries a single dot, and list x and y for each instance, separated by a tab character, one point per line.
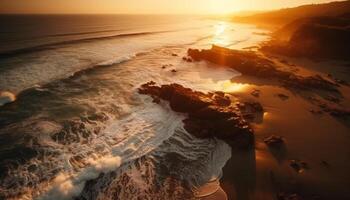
132	7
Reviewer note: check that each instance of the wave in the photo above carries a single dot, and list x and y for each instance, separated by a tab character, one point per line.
15	52
116	61
183	162
68	34
43	47
82	33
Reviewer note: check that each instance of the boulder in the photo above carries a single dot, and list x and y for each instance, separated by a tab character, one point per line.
209	114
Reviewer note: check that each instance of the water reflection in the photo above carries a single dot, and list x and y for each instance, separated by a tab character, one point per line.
230	87
221	37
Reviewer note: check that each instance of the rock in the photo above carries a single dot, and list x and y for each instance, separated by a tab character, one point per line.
173	70
6	97
174	54
339	113
156	100
283	96
284	196
250	63
255	93
316	112
274	141
342	82
335	111
187	59
209	114
325	164
298	166
332	99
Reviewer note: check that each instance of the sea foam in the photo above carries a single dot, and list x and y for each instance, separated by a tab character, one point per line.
66	186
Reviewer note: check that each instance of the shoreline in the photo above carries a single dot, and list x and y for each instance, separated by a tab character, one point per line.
282	106
293	169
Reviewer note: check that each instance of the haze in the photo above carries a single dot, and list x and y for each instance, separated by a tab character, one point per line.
144	6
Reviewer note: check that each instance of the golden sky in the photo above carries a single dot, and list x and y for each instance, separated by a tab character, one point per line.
145	6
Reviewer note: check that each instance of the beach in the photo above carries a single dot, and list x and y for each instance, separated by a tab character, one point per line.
76	125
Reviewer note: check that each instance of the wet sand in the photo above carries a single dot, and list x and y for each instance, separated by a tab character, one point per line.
320	140
311	136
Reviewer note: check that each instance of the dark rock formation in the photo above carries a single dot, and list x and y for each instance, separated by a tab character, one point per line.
298	165
250	63
283	96
284	196
325	164
187	59
209	114
274	141
255	93
334	110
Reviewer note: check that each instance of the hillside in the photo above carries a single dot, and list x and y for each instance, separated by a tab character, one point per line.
317	37
288	15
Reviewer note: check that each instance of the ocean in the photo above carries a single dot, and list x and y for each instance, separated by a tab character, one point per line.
72	125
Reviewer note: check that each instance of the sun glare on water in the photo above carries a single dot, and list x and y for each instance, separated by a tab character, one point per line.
230	87
220	36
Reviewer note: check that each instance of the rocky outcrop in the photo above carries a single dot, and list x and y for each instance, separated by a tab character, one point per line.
250	63
209	114
274	141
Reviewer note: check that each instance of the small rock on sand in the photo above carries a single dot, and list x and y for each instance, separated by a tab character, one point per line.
325	164
187	59
284	196
316	112
282	96
274	141
255	93
298	165
6	97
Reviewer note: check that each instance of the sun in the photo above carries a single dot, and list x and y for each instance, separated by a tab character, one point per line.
224	6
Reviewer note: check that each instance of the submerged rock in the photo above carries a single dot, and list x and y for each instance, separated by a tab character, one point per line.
209	114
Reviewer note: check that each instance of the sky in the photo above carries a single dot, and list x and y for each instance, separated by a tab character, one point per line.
145	6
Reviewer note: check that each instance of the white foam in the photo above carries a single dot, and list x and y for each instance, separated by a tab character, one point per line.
117	60
125	139
66	187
